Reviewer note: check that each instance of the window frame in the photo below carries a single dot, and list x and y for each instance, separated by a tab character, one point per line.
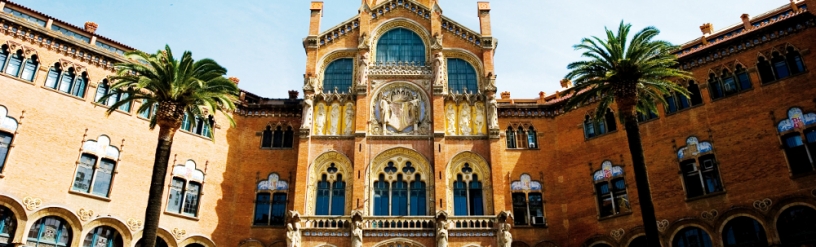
800	132
63	226
186	182
698	158
331	177
609	182
96	168
265	187
600	125
405	173
335	73
527	187
10	131
468	178
112	241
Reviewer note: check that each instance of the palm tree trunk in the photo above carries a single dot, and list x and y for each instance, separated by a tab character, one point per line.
154	199
641	176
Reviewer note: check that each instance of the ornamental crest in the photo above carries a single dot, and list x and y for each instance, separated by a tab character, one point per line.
400	110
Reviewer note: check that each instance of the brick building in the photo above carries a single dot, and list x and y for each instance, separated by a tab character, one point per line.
400	140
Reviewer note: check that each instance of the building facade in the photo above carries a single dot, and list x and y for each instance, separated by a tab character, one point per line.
399	139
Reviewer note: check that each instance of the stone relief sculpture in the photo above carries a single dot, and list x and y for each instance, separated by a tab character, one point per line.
357	235
437	42
292	235
320	119
505	238
479	119
464	120
334	116
362	68
400	110
492	112
307	112
450	115
442	234
362	41
439	69
348	118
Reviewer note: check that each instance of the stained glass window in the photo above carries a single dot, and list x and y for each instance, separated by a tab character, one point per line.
49	231
461	76
103	236
401	45
339	75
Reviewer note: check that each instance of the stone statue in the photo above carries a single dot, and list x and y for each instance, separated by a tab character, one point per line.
292	235
307	112
362	41
362	69
437	42
357	235
464	120
442	234
505	238
492	112
438	69
349	120
320	119
479	120
450	115
384	109
335	120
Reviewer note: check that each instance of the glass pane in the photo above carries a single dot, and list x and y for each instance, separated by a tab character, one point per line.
101	90
14	64
476	198
744	80
399	200
102	236
322	198
683	102
460	205
781	69
103	177
266	140
262	206
338	198
51	79
418	198
716	89
67	82
5	142
671	106
278	138
604	199
30	69
401	44
536	205
461	76
126	106
288	137
339	75
174	201
49	231
381	197
729	85
82	181
278	209
692	237
191	200
519	209
7	225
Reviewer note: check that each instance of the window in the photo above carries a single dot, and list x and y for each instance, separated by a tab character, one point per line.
794	60
511	137
70	33
197	125
49	231
468	194
797	226
779	65
15	62
532	138
8	126
266	138
743	79
8	224
270	201
53	76
185	189
277	138
66	81
744	231
103	89
699	168
110	48
593	128
331	193
646	117
4	54
528	206
400	45
103	236
766	73
402	193
691	237
798	133
97	165
149	112
610	189
727	83
30	68
339	76
26	17
521	138
461	76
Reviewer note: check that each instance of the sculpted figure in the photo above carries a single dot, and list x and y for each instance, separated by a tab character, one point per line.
479	120
320	119
492	112
357	235
307	113
438	69
505	238
349	119
450	115
442	234
384	109
292	236
362	69
464	120
335	119
362	41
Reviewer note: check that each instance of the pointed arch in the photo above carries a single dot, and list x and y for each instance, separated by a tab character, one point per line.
467	169
402	167
405	23
335	167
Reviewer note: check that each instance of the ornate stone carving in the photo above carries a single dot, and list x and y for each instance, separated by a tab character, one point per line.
492	112
357	234
134	224
309	83
763	205
307	112
442	233
439	71
403	69
479	119
334	118
348	118
617	234
320	118
505	238
662	225
362	41
293	235
464	120
437	42
362	68
450	116
178	233
331	164
32	203
400	109
84	214
709	215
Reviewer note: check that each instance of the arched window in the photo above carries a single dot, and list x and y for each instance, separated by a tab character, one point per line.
610	189
405	189
744	81
528	206
511	137
8	224
401	45
30	68
798	133
196	125
729	84
418	197
532	138
797	226
610	120
277	139
266	137
691	237
468	193
521	138
593	128
66	82
270	201
49	231
589	127
744	231
461	76
97	165
8	126
185	189
794	60
103	89
15	62
399	197
715	86
696	97
159	242
639	242
331	193
103	236
780	65
53	76
288	137
4	54
700	173
766	73
381	197
339	75
80	84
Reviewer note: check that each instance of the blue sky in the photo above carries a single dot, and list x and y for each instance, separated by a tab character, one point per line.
260	41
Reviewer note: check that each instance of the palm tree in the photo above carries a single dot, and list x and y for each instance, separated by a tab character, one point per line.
176	88
636	75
